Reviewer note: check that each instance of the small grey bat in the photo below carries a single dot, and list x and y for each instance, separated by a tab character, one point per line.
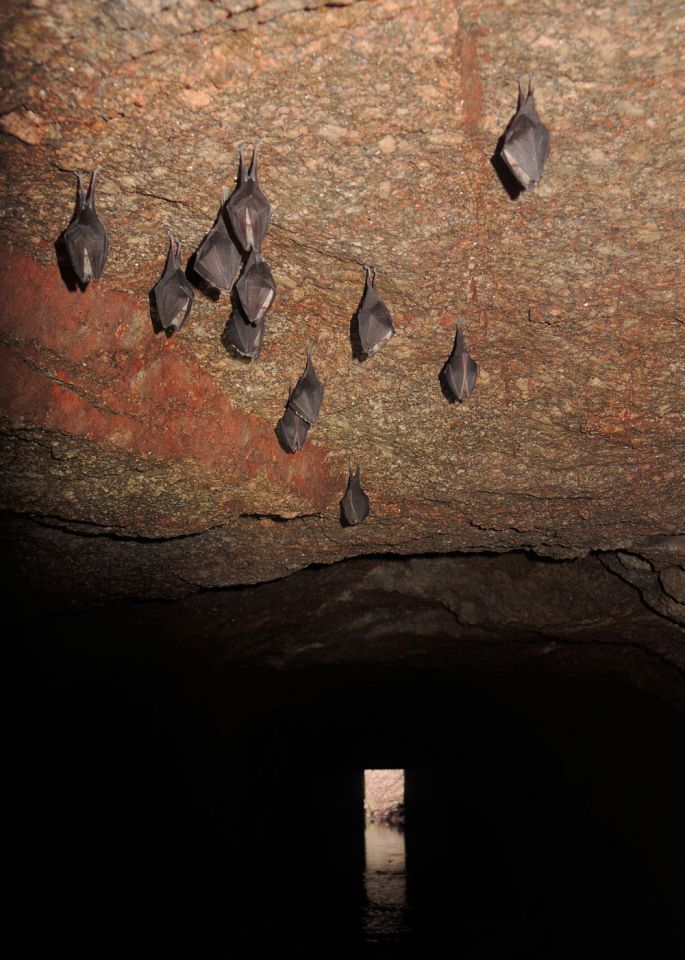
526	139
85	237
246	338
305	400
256	288
248	209
460	371
291	431
373	317
173	293
355	503
218	259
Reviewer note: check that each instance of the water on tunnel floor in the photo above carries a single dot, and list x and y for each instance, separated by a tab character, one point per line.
386	911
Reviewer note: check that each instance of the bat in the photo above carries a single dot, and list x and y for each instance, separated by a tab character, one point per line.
291	431
526	139
245	338
305	400
249	211
256	288
85	237
173	293
218	259
460	371
355	503
373	318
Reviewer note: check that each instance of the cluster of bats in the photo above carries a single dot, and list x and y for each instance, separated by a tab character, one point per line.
230	259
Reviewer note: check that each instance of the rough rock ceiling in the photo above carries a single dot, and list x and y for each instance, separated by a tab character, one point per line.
139	465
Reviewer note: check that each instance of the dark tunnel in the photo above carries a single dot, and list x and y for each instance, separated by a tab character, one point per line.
185	801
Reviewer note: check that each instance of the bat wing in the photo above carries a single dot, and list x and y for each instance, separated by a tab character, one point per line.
219	260
306	398
461	372
256	289
249	212
291	431
375	327
87	245
355	503
245	338
525	149
174	297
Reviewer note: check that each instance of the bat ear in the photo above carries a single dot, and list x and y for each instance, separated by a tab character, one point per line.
174	250
242	166
370	275
522	92
90	196
80	192
252	173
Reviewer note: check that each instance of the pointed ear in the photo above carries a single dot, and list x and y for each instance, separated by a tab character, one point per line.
80	191
252	174
242	166
522	92
90	197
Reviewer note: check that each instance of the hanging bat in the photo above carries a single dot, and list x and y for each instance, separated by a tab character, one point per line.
373	318
85	237
291	431
306	398
218	259
256	288
526	139
245	338
460	371
248	209
173	293
355	503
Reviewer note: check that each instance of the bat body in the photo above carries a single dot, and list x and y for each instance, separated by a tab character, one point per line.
461	370
373	318
292	431
526	140
219	259
355	503
306	398
85	237
301	411
173	293
249	211
245	338
256	288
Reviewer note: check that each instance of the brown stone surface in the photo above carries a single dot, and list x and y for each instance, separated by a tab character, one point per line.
379	120
511	618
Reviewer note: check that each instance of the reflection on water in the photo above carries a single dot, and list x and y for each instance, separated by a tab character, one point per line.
386	913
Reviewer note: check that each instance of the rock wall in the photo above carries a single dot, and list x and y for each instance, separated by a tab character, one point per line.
139	465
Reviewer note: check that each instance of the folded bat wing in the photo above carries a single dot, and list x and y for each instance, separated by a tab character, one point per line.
219	260
174	297
355	503
306	398
291	431
87	245
245	338
256	289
